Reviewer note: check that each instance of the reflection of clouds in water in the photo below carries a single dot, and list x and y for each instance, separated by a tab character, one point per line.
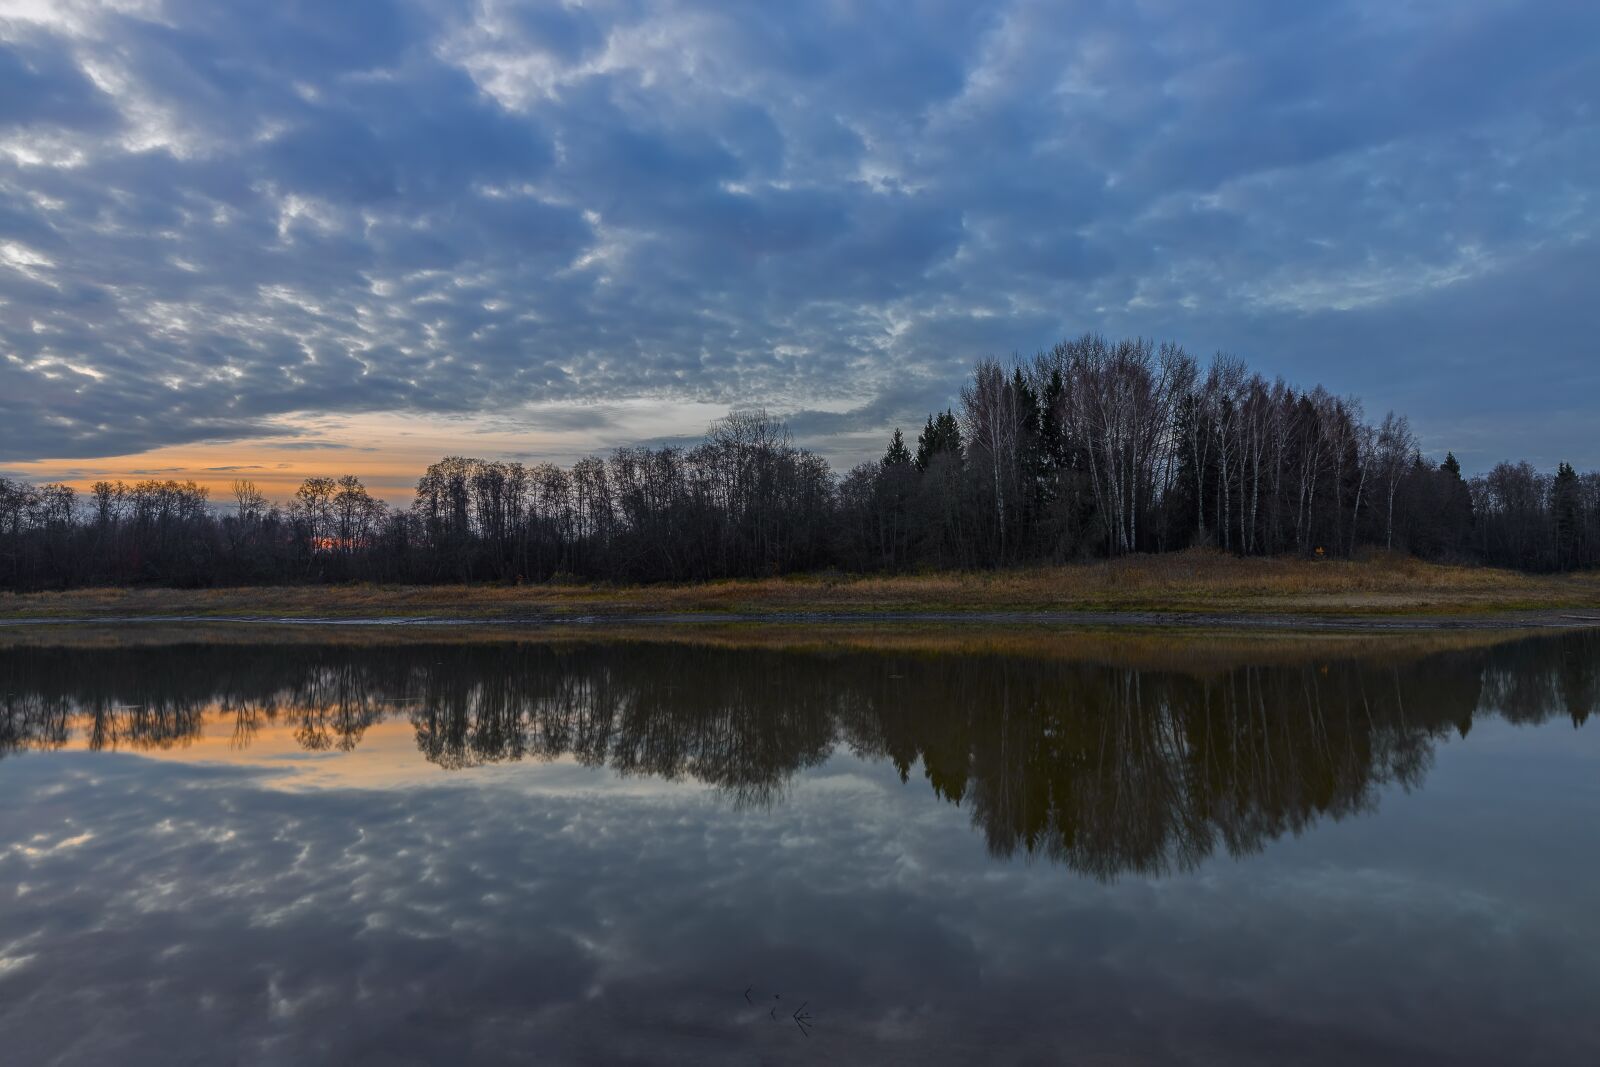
474	921
1109	770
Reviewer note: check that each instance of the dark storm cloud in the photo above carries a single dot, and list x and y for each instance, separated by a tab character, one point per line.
212	218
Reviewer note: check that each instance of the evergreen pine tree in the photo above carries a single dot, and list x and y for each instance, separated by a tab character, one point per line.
925	445
1564	502
1455	517
942	434
897	455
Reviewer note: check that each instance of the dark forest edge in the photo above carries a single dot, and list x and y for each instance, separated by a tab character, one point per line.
1091	450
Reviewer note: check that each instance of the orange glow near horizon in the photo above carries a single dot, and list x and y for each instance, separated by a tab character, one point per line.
388	452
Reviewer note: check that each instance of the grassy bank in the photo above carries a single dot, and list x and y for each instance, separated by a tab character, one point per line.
1188	582
1197	651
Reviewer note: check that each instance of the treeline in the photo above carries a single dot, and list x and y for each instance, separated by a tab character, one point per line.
1091	449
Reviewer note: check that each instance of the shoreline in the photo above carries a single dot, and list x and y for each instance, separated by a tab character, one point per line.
1058	620
1194	649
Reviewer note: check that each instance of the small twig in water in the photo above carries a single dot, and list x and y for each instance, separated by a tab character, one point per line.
802	1018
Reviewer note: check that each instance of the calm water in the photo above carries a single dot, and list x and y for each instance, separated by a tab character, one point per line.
636	853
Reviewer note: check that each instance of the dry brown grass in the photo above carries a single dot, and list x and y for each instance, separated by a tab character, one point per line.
1192	582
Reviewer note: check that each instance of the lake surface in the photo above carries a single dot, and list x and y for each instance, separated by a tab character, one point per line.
613	853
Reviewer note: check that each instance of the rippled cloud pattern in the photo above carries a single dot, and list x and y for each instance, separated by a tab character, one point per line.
218	220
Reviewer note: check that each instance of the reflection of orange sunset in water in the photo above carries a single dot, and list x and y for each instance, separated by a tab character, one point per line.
387	452
384	753
378	755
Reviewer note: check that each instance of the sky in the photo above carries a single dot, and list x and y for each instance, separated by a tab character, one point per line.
279	238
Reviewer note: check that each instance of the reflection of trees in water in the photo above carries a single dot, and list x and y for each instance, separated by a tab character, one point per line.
669	713
34	719
1107	769
1112	770
135	709
158	698
1525	683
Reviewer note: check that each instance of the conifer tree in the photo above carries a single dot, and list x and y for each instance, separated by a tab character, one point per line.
897	455
1564	504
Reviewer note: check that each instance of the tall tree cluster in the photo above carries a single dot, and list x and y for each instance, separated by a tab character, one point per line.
746	502
1097	448
1093	448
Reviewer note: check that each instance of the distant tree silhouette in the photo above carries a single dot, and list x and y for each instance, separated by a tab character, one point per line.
1093	448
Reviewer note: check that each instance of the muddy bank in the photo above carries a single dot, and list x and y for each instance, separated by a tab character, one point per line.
1065	619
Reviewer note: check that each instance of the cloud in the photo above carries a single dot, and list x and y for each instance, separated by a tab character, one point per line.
40	85
215	218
